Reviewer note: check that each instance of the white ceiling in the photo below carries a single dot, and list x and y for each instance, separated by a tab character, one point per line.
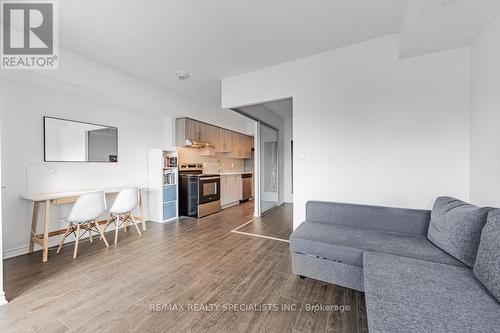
281	108
430	27
215	39
218	38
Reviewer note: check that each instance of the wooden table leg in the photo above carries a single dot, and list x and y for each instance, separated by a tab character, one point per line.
34	220
45	250
141	208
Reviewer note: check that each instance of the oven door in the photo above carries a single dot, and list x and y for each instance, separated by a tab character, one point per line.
209	189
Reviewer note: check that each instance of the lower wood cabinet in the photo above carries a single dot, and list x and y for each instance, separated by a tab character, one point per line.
231	188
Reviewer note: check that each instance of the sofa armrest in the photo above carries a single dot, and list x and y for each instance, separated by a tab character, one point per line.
400	220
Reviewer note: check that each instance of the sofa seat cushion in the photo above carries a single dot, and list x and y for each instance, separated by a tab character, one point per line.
410	295
456	226
347	244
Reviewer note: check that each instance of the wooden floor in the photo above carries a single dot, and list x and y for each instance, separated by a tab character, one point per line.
137	285
278	223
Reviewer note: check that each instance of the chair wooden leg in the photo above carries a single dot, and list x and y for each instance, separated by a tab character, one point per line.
76	240
125	224
136	226
102	234
116	228
89	230
108	222
64	238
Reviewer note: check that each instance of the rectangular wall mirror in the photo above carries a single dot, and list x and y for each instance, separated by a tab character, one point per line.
75	141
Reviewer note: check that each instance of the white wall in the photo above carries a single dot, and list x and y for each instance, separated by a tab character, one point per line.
369	128
485	118
22	152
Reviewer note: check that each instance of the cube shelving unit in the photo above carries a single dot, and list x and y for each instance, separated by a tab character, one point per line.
163	186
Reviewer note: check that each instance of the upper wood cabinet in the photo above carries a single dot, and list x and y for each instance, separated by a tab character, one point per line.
205	133
248	146
241	146
236	149
219	139
227	140
192	130
233	144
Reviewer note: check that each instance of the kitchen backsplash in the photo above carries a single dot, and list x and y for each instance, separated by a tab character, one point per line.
210	165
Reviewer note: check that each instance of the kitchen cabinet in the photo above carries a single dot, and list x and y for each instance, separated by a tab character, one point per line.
206	133
231	190
233	144
247	151
193	130
186	129
228	141
242	147
236	145
218	139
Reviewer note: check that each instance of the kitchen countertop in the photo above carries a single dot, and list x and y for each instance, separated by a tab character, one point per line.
233	173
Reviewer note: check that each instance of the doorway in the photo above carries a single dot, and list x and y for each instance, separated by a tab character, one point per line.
273	133
269	181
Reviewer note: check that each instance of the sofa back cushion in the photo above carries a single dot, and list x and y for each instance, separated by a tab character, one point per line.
487	266
456	227
399	220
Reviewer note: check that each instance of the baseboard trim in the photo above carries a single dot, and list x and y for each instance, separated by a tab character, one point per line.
270	210
19	251
3	300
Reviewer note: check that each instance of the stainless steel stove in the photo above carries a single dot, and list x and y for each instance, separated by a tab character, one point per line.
199	193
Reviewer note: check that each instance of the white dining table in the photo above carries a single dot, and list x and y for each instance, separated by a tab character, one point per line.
61	198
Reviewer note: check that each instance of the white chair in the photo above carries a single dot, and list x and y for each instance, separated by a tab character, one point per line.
121	210
86	209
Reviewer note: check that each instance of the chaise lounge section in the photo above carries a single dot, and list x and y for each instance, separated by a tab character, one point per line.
411	284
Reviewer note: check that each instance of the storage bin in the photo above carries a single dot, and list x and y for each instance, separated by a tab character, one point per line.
169	210
169	193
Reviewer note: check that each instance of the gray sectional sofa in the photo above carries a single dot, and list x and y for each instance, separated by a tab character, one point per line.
421	270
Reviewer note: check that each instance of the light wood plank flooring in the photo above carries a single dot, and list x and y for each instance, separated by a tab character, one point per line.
278	223
126	288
